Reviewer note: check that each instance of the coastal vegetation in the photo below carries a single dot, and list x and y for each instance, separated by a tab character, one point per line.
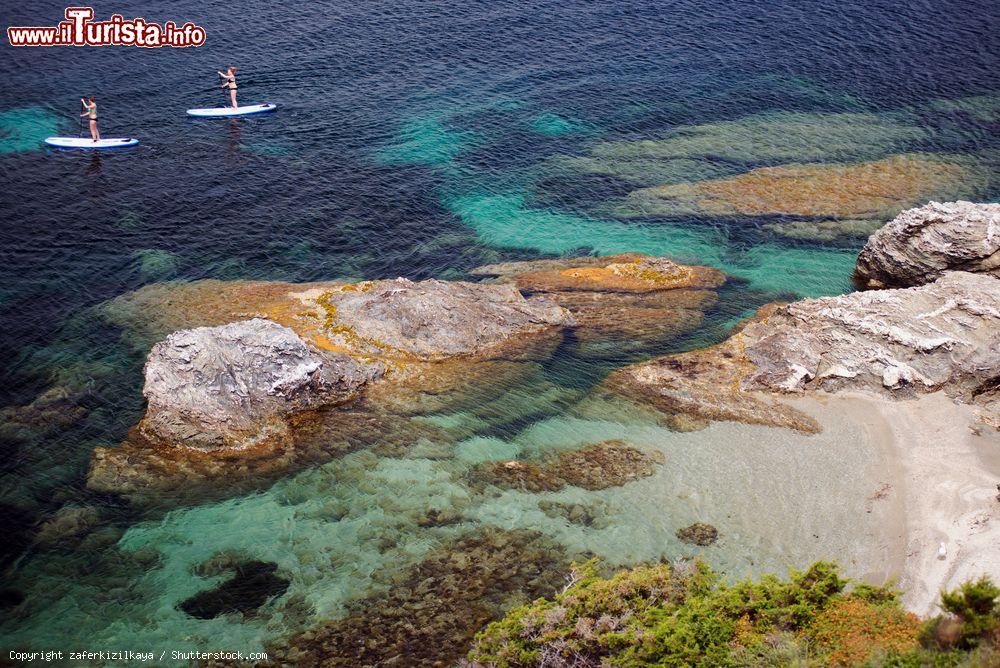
687	615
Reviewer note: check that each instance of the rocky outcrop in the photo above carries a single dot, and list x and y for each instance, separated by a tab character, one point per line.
920	244
941	336
400	319
243	377
234	386
244	401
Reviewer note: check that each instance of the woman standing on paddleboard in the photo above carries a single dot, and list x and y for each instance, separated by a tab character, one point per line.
90	109
230	83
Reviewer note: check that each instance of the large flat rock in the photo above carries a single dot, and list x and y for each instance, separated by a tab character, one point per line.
944	336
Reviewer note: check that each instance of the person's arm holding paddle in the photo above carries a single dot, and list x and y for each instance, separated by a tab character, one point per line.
230	82
90	109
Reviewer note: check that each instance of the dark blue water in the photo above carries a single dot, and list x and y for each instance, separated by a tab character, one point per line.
419	139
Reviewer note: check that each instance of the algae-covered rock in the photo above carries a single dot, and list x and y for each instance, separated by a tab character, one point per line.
67	526
593	515
920	244
625	298
55	409
596	466
698	533
430	615
825	230
253	583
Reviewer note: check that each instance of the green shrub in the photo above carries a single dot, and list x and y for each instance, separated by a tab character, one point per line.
686	615
972	617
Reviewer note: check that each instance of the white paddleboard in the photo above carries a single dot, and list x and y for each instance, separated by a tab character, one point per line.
229	111
86	142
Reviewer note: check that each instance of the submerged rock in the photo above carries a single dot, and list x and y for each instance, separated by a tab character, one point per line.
713	150
825	230
596	466
941	336
433	610
55	409
625	298
856	190
698	533
629	273
920	244
154	475
254	583
67	526
593	515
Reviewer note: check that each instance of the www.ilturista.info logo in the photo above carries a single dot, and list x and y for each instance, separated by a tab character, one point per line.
79	29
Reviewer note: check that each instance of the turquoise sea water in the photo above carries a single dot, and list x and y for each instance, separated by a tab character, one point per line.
423	141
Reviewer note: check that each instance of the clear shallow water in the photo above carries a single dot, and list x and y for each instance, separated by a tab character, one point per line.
418	141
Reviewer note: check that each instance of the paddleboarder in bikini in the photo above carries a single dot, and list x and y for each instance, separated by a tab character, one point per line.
90	109
230	82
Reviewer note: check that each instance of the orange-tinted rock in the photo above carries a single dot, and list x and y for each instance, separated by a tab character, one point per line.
630	296
631	273
241	402
866	189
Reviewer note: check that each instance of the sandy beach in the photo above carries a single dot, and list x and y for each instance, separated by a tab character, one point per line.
945	473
